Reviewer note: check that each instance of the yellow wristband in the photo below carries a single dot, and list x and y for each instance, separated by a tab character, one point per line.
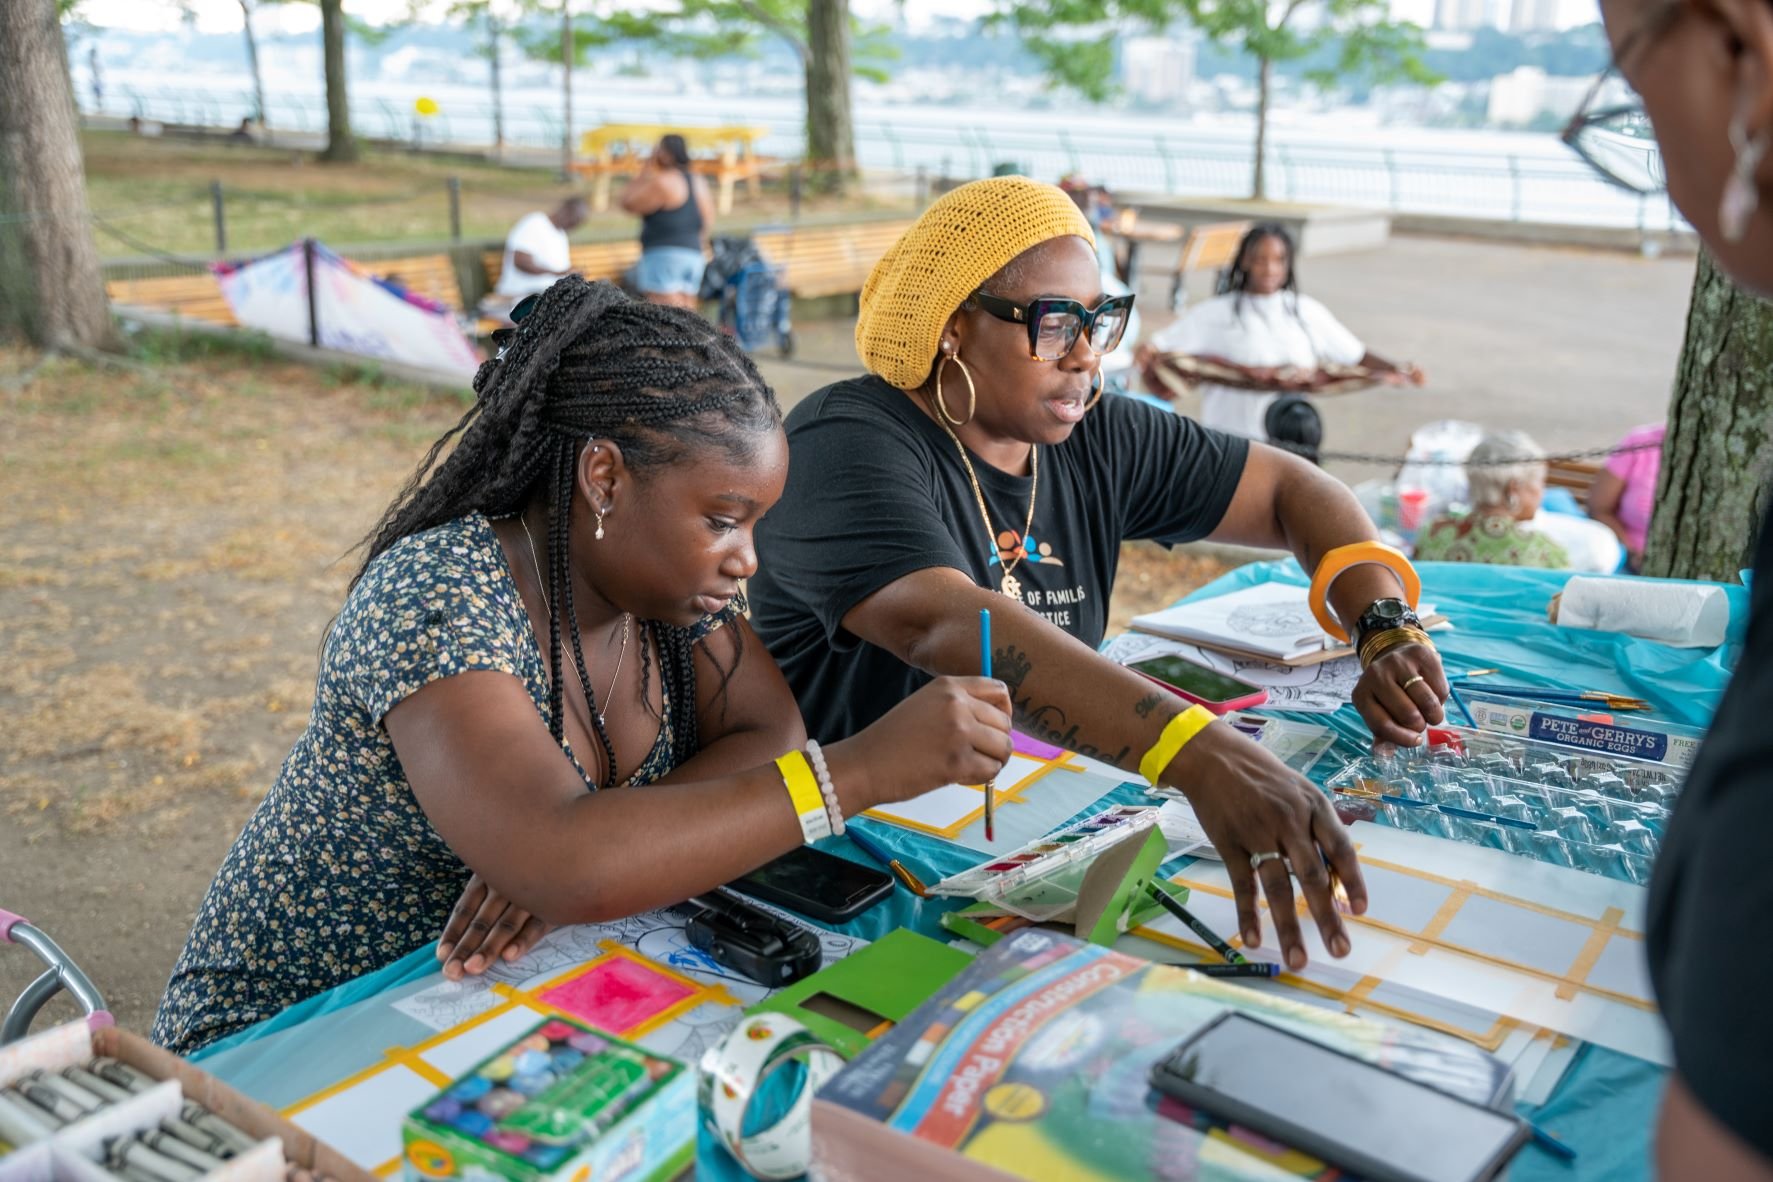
1177	733
803	788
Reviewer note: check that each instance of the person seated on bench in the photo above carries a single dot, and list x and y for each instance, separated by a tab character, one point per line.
1505	474
676	217
541	689
537	252
1278	338
977	466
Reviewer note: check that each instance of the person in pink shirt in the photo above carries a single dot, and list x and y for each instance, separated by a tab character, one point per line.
1624	493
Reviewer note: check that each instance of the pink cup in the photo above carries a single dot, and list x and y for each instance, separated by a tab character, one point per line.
1411	504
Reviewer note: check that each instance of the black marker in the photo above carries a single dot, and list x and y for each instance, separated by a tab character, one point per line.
1231	955
1248	968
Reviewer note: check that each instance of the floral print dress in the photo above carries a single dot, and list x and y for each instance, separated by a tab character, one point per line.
338	872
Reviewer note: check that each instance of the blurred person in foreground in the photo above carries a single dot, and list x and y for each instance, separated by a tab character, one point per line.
1704	69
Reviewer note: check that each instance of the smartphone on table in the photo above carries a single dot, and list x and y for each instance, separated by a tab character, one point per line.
1219	692
1344	1111
815	883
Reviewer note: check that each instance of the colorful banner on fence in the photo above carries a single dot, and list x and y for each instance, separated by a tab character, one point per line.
357	313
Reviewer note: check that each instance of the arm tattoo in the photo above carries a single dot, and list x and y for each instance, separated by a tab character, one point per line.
1045	721
1144	706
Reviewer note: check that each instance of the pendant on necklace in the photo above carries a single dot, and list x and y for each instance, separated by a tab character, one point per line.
1011	587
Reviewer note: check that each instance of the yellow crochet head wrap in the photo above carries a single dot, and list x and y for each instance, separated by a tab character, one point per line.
961	240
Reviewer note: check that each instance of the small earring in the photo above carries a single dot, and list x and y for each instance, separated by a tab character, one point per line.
1742	192
599	534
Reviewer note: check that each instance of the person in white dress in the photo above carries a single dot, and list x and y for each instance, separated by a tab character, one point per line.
1276	337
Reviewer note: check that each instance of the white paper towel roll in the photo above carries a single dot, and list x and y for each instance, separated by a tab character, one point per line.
1686	615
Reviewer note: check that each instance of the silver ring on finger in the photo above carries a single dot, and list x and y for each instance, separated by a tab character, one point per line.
1257	860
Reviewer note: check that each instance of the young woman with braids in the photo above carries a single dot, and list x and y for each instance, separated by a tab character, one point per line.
547	620
1279	339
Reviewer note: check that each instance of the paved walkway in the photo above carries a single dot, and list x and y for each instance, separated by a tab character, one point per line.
1576	347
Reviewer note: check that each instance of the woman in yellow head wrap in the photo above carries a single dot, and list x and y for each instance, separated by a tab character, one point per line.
977	466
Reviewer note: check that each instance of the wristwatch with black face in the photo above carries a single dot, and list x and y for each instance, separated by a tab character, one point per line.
1384	614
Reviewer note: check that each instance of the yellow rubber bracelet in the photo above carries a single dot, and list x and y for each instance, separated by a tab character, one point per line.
803	786
1177	733
1358	554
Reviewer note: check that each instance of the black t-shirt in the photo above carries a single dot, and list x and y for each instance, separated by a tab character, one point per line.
1711	897
876	491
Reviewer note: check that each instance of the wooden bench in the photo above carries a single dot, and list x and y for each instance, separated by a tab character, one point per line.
1575	475
828	260
593	260
199	296
1208	247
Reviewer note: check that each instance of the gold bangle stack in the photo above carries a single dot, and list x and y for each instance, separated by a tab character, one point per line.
1379	643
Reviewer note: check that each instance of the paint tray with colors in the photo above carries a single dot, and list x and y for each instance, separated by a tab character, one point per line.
1042	878
562	1099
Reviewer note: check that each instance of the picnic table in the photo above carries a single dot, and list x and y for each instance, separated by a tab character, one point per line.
1604	1108
727	155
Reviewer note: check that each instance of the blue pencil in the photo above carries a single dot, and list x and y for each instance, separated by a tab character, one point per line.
985	671
868	846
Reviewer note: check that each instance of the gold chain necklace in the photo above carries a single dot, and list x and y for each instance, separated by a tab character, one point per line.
1011	586
627	621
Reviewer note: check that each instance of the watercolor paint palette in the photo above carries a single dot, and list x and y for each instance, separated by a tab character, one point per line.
549	1103
1042	878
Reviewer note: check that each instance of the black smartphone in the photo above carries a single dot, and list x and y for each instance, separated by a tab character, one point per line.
1219	692
1344	1111
818	884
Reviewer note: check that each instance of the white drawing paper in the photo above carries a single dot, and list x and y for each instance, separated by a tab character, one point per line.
1271	620
363	1121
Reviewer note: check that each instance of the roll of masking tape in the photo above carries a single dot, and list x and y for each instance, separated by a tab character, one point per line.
734	1072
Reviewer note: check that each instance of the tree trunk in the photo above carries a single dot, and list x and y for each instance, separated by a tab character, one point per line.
566	102
830	131
494	39
252	59
341	145
1718	455
1259	178
50	283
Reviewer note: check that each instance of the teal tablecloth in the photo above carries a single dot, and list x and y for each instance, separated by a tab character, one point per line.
1605	1107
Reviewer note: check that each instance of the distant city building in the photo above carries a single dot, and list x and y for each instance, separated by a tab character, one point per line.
1528	92
1158	70
1533	16
1456	15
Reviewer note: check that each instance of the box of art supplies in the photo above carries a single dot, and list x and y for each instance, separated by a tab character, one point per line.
1035	1061
1594	729
564	1101
88	1102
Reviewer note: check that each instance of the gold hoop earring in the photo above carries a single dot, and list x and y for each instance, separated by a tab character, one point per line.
1098	386
972	393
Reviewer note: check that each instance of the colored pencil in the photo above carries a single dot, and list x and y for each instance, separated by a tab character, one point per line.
1169	903
985	666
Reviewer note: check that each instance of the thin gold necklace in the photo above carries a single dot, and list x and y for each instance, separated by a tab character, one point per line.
627	620
1011	586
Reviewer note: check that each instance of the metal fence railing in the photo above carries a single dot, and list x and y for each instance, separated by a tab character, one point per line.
1546	185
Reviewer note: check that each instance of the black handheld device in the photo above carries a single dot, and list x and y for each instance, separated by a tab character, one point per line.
818	884
750	941
1347	1112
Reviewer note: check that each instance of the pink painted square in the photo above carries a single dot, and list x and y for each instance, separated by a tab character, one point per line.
1034	748
618	994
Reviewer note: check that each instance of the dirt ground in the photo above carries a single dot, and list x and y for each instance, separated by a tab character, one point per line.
176	541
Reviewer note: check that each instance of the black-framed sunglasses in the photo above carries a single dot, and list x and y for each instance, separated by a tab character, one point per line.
1055	323
1616	139
502	337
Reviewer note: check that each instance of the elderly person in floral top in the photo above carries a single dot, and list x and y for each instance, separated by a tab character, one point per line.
1506	476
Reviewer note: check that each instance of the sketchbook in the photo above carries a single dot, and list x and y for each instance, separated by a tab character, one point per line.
1270	621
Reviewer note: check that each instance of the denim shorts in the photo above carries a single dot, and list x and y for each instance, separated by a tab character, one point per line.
669	270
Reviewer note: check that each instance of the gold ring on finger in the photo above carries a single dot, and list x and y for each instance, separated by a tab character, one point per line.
1413	681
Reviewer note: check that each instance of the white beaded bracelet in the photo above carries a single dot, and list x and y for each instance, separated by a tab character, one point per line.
833	811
